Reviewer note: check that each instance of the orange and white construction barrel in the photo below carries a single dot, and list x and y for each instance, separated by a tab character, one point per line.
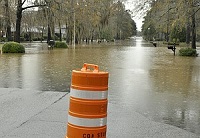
87	116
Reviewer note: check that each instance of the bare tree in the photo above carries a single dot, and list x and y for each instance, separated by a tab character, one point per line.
19	11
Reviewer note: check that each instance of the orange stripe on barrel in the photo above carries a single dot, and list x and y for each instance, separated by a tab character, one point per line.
89	81
88	107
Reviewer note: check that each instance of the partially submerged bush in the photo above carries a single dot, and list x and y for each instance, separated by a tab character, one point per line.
13	47
61	45
188	52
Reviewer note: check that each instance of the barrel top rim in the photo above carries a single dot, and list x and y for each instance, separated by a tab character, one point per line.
90	72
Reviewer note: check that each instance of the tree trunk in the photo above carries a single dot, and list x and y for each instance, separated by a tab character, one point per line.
8	23
30	36
52	26
188	33
92	39
60	31
42	35
18	22
86	40
193	31
9	33
188	27
67	33
49	34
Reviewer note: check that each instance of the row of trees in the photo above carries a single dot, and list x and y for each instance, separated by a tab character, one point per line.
173	20
82	19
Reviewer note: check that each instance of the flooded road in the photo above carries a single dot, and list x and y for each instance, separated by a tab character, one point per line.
147	79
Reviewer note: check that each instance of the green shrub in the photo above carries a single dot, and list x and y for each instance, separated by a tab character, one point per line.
13	47
3	39
170	43
61	45
188	52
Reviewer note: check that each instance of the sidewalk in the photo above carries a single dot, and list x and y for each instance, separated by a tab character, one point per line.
38	114
32	114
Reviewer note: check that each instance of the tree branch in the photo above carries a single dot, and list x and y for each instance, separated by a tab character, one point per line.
23	2
33	6
167	11
196	11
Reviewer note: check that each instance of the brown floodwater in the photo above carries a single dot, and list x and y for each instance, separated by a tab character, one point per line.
147	79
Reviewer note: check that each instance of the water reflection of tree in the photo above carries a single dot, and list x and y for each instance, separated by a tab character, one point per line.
10	71
172	82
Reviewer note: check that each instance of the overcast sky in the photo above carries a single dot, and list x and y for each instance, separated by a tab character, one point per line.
138	19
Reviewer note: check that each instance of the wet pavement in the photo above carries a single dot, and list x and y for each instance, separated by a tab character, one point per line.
43	114
26	113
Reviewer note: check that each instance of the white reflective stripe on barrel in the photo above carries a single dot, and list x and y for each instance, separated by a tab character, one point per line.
87	122
90	95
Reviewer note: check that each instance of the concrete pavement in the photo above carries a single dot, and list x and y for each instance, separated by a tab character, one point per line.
43	114
32	114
